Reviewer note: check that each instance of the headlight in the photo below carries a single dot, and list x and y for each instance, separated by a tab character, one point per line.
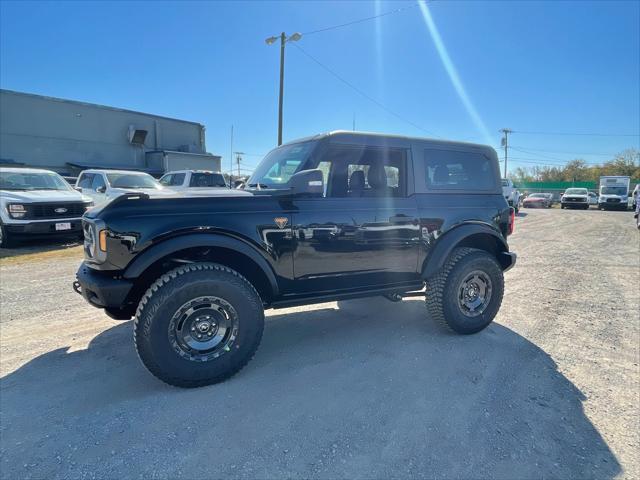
88	206
17	210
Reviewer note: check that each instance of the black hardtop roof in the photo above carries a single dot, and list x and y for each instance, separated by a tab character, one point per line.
365	138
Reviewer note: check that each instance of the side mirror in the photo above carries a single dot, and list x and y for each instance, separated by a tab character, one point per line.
101	189
307	183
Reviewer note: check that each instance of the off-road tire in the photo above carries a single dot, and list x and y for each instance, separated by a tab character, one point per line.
166	295
443	287
6	241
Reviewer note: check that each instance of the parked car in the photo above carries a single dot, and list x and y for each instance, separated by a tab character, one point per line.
511	194
634	197
105	185
37	202
335	216
593	199
539	200
575	198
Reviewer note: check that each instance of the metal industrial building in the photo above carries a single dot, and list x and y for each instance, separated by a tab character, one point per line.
68	136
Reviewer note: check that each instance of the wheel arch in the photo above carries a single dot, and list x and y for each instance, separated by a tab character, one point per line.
218	248
475	235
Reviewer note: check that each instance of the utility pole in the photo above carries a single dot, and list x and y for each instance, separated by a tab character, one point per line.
505	144
231	156
238	160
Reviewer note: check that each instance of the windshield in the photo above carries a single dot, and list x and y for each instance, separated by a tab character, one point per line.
613	190
132	180
576	191
207	180
279	165
32	181
538	195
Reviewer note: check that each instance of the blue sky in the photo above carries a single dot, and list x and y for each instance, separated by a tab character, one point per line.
557	67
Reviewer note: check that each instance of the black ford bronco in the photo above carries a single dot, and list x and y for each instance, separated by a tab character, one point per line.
336	216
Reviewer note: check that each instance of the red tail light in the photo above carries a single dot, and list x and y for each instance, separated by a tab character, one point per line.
512	221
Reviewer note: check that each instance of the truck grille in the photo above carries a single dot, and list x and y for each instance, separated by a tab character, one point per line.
613	200
574	199
42	211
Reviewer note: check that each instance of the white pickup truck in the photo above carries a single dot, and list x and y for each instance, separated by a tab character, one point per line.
511	194
199	183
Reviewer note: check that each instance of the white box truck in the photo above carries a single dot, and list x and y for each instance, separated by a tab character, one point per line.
614	193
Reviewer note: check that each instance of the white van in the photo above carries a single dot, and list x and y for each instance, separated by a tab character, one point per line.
104	185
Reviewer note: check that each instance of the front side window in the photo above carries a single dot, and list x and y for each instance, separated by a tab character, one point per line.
97	183
359	171
166	179
459	170
85	180
277	168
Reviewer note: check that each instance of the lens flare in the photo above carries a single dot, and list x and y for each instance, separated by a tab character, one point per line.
452	72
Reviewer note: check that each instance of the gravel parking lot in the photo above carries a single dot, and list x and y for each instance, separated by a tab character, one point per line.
357	389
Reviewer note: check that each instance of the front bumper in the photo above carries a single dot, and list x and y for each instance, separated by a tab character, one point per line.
44	228
101	289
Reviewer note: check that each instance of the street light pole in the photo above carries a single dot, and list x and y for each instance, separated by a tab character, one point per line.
505	144
283	39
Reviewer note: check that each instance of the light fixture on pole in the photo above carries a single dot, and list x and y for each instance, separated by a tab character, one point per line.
283	39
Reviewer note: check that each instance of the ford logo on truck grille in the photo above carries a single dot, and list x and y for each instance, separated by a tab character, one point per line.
60	210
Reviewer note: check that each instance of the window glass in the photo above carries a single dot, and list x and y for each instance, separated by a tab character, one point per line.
455	170
207	179
166	179
358	171
85	180
132	180
178	179
275	170
98	182
12	180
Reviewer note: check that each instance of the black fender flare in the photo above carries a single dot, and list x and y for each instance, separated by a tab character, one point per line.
164	248
461	236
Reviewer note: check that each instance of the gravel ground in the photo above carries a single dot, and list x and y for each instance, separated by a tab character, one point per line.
358	389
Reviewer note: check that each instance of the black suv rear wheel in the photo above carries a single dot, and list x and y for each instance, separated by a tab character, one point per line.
465	295
198	324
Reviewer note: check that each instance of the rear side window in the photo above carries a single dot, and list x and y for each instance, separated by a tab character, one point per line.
207	180
458	170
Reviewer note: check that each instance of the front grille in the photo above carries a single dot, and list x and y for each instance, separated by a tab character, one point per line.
575	199
55	210
613	200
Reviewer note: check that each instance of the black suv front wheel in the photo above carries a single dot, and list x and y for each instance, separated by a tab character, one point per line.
198	324
465	295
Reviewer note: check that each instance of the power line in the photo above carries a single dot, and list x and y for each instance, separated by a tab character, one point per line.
579	134
360	92
538	161
366	19
568	153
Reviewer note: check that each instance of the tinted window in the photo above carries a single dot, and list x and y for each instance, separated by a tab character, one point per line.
279	165
207	180
356	171
455	170
85	180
